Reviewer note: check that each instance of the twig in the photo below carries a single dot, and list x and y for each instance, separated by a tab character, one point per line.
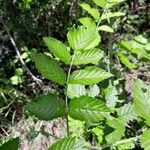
39	81
66	98
4	108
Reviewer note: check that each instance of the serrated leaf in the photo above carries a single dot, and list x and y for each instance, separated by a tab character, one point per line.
105	28
76	127
58	48
75	90
145	140
111	96
125	60
101	3
127	113
46	107
88	56
112	15
94	90
92	11
49	68
87	108
89	75
83	38
64	144
141	95
87	22
126	146
112	3
114	130
141	39
12	144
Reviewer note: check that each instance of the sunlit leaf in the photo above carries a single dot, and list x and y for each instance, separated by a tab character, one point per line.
83	38
92	11
87	108
58	48
89	75
88	56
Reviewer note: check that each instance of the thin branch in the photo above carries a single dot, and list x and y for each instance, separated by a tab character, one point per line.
66	98
39	81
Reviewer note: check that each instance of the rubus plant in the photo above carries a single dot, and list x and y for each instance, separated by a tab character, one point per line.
85	109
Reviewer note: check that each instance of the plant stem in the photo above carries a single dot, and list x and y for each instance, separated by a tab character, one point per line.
66	98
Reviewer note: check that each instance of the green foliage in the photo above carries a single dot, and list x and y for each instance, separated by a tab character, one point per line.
58	48
49	68
125	60
145	140
141	101
127	113
117	132
46	107
64	144
87	22
89	75
103	119
75	90
93	12
85	57
12	144
83	38
87	108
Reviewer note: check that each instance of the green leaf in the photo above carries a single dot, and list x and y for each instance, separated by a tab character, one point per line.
94	90
127	113
49	68
125	60
76	127
58	48
112	15
111	96
88	56
87	108
141	95
90	75
46	107
83	38
105	28
145	140
117	132
92	11
75	90
87	22
101	3
64	144
112	3
141	39
12	144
